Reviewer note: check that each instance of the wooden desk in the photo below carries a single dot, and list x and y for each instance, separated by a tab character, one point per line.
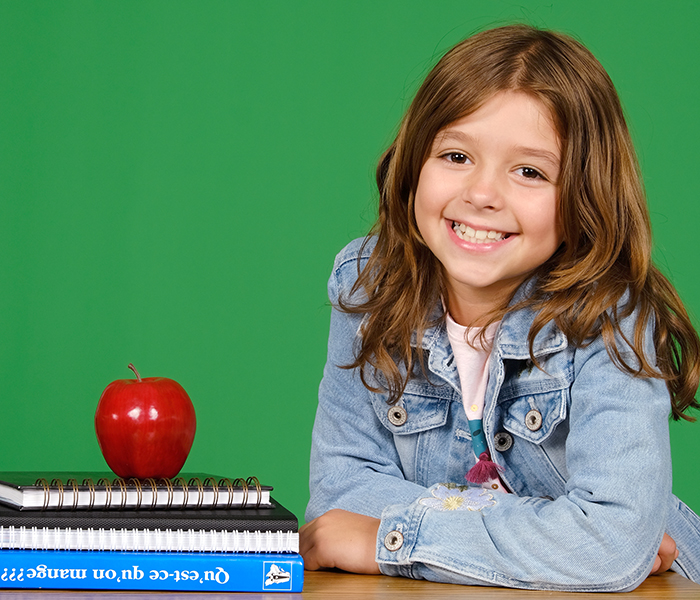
367	587
344	586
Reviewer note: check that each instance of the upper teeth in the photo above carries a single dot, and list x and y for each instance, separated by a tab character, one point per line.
479	236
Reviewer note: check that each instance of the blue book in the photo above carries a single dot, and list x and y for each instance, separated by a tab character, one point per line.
162	571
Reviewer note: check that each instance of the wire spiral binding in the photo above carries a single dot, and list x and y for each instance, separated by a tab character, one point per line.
169	486
139	491
200	489
45	484
74	484
209	481
108	489
59	484
57	489
154	491
117	539
122	492
185	489
91	486
258	489
241	482
229	487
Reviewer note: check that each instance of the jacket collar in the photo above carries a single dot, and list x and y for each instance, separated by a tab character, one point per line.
511	338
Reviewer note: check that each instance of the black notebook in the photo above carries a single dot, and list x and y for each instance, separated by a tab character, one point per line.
89	491
269	528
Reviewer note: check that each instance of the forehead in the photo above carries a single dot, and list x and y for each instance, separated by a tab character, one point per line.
507	117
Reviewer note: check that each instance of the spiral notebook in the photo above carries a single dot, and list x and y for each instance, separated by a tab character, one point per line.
89	491
267	528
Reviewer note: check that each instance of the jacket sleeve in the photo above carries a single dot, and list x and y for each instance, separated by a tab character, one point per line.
601	534
354	463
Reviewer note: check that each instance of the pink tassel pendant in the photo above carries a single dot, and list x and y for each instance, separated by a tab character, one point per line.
484	470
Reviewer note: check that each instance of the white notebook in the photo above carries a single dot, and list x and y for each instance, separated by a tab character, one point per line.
86	491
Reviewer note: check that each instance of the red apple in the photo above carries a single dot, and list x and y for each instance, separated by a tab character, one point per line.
145	427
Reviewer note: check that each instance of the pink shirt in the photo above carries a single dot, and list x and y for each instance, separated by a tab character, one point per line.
472	361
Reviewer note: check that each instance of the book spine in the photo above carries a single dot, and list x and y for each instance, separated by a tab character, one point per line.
161	571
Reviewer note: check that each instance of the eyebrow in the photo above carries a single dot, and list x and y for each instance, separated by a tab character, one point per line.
460	136
539	153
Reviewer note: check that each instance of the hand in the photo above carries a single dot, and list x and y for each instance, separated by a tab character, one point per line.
667	554
340	539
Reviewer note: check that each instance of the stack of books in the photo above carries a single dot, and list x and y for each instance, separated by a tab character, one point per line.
191	533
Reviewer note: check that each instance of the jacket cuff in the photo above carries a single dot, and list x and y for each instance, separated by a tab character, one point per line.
397	538
397	535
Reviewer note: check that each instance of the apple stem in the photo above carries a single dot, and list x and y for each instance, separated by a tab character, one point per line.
133	368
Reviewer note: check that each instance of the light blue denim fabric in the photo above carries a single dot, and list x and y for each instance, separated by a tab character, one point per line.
591	486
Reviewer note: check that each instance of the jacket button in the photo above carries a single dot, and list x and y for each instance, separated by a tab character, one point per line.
502	441
533	420
397	415
393	541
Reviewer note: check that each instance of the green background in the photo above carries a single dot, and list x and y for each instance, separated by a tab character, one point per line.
176	178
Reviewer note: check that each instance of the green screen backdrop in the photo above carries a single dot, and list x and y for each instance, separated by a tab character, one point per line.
176	178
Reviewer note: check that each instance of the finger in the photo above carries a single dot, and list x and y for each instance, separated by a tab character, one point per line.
667	554
306	538
308	546
310	562
306	549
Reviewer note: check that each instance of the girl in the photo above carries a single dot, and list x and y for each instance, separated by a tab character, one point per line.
505	324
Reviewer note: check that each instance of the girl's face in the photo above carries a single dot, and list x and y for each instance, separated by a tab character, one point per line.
486	201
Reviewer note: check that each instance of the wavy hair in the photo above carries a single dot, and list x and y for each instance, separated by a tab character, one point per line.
606	252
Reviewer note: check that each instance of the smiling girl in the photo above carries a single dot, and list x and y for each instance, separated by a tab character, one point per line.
503	355
490	234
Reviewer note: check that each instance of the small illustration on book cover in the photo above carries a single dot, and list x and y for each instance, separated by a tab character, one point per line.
277	576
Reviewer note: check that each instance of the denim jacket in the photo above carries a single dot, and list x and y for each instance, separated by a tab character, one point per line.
584	447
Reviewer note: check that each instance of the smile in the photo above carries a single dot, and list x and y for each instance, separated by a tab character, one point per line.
478	236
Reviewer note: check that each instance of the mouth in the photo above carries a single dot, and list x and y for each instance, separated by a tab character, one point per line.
478	236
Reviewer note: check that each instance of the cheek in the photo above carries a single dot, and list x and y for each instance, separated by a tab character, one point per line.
420	215
421	205
430	194
550	223
428	212
545	224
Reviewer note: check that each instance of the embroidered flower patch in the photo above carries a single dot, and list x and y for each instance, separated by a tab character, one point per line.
448	496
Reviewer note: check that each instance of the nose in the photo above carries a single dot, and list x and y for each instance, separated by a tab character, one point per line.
482	189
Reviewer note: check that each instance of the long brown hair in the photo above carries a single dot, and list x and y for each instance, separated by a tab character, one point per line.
606	252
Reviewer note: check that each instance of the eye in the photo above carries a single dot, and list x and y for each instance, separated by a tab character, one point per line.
530	173
456	157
